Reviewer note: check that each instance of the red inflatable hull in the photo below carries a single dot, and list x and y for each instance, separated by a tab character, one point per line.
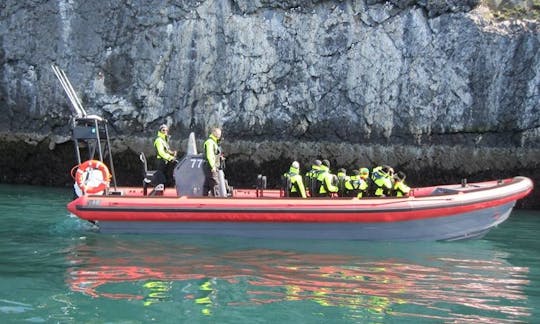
432	213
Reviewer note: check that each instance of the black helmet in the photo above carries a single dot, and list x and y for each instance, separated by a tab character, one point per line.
387	169
400	176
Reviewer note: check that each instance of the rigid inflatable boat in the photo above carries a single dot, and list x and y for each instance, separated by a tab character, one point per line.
449	212
443	212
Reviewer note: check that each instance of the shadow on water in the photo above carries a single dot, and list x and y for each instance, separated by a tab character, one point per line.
460	281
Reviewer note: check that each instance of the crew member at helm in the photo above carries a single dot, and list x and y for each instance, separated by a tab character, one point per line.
165	157
212	154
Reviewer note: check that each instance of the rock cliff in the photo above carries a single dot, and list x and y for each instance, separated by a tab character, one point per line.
439	89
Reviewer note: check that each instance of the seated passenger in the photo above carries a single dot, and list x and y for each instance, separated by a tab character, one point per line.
294	183
342	177
311	177
382	178
400	188
370	185
355	185
325	181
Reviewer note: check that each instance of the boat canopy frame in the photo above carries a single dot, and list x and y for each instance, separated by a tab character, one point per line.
89	132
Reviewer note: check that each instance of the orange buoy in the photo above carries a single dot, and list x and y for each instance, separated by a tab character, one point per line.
92	176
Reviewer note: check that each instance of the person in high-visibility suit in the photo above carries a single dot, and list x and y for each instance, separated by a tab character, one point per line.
165	156
355	185
294	183
311	177
213	157
400	188
342	177
326	181
369	191
382	177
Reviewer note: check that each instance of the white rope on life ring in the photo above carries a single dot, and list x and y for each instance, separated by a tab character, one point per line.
92	177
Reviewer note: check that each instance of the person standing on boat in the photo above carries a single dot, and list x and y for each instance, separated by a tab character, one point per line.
213	157
326	181
382	177
400	188
165	157
294	183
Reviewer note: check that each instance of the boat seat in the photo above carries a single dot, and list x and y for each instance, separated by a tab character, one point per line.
152	178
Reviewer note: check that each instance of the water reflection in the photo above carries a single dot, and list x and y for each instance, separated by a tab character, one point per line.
463	282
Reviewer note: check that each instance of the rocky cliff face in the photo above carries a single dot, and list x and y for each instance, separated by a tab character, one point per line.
438	89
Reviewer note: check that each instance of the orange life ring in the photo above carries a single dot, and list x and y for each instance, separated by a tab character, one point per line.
87	181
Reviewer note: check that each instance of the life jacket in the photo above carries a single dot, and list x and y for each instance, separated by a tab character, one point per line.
401	189
292	184
355	186
212	152
382	181
324	183
161	143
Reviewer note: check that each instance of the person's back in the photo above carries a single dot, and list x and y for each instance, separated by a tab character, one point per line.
325	181
342	178
400	189
355	185
295	184
311	178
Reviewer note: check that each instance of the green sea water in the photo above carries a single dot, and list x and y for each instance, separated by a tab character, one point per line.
56	268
